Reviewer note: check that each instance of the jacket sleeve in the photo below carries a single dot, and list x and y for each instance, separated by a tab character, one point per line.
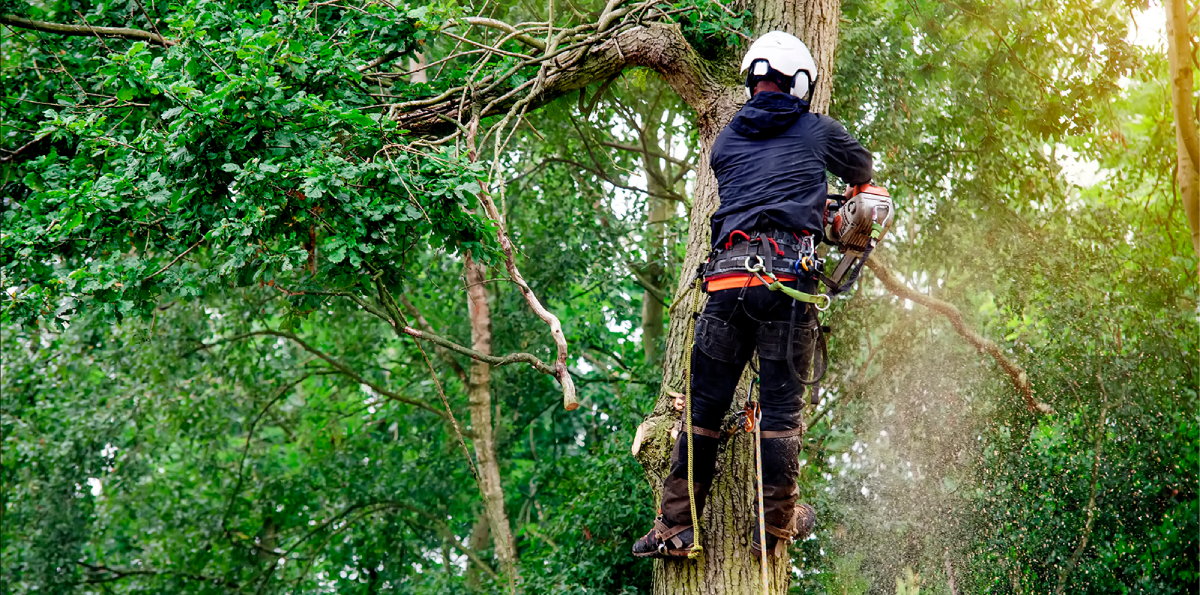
844	157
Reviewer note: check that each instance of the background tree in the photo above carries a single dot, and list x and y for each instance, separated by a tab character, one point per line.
1180	49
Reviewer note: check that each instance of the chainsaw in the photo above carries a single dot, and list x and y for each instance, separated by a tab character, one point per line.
855	223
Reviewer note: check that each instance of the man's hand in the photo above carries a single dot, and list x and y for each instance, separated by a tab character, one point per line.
678	399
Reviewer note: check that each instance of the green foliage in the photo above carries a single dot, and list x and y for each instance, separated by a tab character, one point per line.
984	127
716	29
255	139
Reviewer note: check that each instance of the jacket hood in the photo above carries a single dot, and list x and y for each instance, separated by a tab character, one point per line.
768	114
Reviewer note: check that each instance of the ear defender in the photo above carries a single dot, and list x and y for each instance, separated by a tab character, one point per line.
758	70
802	85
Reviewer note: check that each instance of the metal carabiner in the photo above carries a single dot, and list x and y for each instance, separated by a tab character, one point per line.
750	415
828	301
757	268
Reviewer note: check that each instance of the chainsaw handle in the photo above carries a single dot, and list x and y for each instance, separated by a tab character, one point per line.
865	187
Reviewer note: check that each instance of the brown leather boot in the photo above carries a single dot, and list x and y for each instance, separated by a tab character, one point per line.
783	526
665	542
673	534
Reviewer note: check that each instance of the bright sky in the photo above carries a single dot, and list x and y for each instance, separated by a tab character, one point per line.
1149	28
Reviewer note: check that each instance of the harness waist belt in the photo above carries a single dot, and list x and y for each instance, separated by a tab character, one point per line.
778	251
737	281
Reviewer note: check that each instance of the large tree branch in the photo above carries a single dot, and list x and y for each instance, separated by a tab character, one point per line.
1019	378
1187	139
17	22
595	58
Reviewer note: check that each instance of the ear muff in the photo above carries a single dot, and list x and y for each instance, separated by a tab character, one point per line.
758	71
803	85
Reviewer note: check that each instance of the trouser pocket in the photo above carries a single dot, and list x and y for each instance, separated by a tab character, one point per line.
720	340
773	339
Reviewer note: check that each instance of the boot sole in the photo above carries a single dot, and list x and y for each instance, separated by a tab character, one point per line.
670	554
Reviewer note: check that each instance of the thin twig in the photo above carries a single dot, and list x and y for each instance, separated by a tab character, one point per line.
339	366
175	260
1097	448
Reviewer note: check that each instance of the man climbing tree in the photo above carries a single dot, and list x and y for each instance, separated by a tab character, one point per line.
770	164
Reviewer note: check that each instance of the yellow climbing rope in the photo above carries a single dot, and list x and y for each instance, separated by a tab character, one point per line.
697	549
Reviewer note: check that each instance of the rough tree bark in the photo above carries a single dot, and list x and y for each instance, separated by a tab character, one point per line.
479	393
1187	140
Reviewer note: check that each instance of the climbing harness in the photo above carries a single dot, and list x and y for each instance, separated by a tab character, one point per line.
781	252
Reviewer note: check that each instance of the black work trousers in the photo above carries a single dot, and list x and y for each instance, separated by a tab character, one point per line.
734	324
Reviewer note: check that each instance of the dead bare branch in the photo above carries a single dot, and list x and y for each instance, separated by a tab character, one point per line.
1019	378
518	35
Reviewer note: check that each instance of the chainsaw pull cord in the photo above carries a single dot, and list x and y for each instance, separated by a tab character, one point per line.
687	388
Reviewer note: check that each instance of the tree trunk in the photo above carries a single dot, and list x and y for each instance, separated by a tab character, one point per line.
655	240
727	565
1187	151
479	392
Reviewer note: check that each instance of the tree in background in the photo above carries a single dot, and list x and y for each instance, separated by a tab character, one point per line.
1181	49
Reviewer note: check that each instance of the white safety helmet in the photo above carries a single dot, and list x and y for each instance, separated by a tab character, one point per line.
786	54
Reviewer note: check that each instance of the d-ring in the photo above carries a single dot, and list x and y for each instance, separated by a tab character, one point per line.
757	268
828	301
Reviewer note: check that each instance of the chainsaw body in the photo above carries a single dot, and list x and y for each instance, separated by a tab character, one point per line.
852	226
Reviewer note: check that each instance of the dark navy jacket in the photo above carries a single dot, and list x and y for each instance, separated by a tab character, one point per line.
770	166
